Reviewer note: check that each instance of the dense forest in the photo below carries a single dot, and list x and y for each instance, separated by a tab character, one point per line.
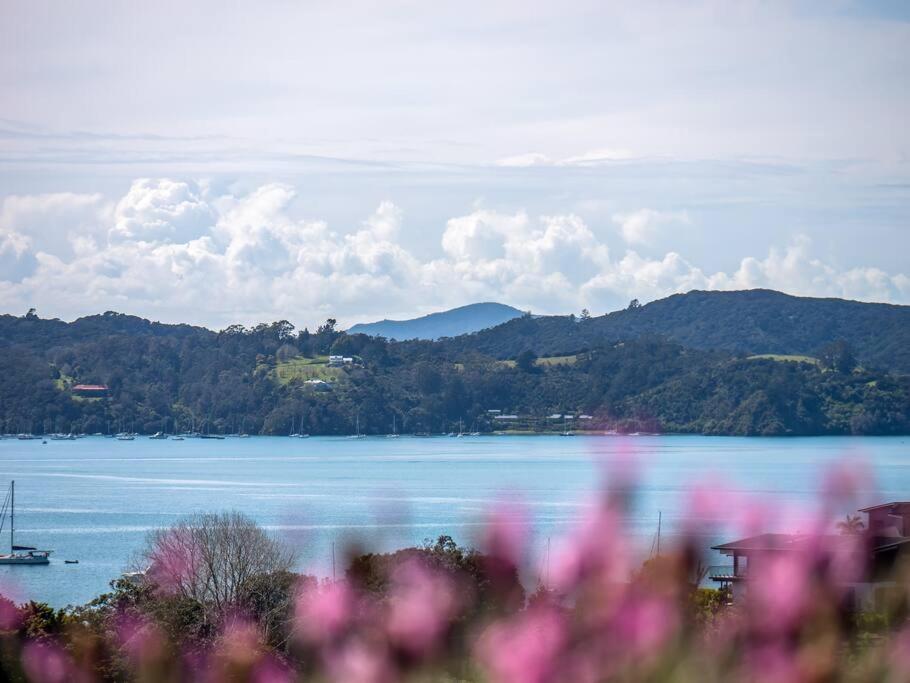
757	321
273	379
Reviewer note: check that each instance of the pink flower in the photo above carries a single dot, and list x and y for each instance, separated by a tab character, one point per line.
270	670
779	593
597	550
359	661
139	638
323	613
45	662
524	649
506	533
644	623
771	664
421	605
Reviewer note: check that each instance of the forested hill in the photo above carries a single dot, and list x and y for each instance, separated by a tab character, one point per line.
751	322
273	379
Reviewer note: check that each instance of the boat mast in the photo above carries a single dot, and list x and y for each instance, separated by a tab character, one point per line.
12	515
659	517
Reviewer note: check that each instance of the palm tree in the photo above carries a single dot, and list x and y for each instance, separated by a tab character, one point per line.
851	526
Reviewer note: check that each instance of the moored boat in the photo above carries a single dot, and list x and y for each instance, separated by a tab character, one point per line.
18	554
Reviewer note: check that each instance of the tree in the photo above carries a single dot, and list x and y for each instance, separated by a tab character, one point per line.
429	381
851	525
286	352
213	559
635	303
838	356
526	360
585	315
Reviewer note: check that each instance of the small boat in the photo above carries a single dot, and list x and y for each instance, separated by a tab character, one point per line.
358	435
126	437
177	438
159	435
18	554
70	561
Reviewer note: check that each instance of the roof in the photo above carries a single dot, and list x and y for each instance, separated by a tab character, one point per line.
760	542
90	387
899	503
881	544
783	542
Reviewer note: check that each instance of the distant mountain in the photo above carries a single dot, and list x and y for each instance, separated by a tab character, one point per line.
457	321
754	321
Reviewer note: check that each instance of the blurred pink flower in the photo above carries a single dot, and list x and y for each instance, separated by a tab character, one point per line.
644	623
525	648
324	612
270	670
843	483
771	663
779	592
139	638
597	548
46	662
421	604
10	617
359	661
506	533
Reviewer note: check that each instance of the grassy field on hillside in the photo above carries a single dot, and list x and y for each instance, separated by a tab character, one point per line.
792	358
306	368
543	362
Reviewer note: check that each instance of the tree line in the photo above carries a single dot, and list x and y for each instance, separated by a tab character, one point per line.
175	378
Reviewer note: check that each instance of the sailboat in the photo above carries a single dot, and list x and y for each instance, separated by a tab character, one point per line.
18	554
358	435
394	434
565	427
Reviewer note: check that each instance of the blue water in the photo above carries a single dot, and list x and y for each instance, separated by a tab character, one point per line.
95	499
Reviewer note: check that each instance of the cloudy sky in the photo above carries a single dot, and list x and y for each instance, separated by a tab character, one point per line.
220	162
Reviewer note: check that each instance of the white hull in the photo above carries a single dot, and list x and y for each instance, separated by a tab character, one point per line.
23	559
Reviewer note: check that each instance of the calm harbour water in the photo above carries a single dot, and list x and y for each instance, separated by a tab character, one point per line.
95	499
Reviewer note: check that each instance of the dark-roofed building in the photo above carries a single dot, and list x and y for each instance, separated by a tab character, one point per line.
885	538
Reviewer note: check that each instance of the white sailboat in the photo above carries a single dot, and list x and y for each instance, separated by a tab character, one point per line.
18	554
358	435
394	434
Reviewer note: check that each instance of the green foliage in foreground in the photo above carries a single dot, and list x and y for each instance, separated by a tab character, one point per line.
173	378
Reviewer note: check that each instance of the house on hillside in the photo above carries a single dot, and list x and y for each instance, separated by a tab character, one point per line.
341	361
90	390
878	547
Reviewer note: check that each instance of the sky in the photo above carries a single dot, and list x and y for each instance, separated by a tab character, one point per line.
239	162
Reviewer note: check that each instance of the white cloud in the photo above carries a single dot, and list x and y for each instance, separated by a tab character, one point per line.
171	250
161	210
525	160
597	156
593	157
644	226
